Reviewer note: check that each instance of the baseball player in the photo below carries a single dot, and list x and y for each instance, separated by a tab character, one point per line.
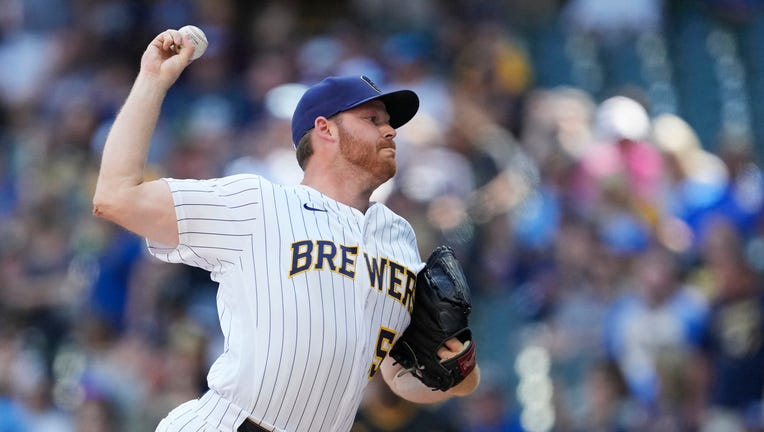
315	282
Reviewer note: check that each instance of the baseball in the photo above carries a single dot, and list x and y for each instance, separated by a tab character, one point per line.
197	37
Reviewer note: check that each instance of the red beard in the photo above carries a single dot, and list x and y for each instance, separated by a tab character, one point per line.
368	158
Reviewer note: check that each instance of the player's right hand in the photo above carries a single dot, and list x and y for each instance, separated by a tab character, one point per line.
164	59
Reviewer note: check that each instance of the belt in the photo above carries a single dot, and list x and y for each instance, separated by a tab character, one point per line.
250	426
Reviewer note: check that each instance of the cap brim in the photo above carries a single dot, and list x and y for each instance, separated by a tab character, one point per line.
401	106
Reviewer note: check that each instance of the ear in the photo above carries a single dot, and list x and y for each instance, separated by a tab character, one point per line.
324	129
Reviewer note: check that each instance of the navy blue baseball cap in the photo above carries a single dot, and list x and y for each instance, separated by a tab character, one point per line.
336	94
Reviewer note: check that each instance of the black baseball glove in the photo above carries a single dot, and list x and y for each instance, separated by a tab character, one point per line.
441	308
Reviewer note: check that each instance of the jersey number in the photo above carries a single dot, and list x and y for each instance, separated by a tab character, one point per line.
384	343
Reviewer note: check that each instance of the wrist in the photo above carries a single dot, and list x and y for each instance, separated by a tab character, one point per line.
151	85
468	385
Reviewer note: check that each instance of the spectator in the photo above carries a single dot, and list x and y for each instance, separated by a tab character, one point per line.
608	405
733	348
653	328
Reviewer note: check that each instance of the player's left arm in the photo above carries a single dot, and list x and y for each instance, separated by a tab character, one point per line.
407	386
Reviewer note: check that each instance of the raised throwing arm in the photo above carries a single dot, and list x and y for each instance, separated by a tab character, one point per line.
121	194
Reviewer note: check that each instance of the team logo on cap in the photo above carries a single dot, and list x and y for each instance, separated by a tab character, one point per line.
371	84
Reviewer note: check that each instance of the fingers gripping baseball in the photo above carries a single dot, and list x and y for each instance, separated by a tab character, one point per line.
168	55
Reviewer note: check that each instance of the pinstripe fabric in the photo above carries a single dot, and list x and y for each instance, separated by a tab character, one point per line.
302	330
210	413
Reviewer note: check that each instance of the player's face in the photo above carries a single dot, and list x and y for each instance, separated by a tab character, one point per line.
366	140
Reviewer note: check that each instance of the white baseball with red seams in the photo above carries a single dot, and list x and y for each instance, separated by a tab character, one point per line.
198	37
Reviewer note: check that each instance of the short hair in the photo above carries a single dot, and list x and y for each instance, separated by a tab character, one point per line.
304	150
305	146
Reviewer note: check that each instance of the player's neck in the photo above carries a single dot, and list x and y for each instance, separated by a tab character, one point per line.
341	189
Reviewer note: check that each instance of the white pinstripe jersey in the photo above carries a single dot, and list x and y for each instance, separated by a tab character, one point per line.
311	294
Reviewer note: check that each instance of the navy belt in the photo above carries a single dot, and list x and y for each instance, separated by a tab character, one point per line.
250	426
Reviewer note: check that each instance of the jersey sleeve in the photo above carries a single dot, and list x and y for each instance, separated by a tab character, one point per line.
408	238
398	233
215	219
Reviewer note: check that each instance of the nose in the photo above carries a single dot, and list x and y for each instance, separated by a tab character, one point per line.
388	131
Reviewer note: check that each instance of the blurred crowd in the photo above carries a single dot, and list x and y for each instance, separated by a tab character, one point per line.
614	252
